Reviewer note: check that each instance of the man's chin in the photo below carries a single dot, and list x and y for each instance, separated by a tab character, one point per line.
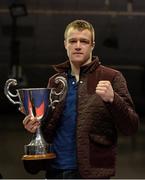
77	62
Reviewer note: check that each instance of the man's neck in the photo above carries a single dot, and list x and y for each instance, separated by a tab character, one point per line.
75	71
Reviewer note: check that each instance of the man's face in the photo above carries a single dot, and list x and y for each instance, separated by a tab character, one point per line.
79	46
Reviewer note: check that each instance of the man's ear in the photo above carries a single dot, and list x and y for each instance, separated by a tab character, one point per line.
65	44
93	45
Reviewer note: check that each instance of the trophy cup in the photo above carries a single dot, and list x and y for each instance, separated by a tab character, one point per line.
37	102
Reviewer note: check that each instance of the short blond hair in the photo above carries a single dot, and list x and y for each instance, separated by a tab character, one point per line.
80	25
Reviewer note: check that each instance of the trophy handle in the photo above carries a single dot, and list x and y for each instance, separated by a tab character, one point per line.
11	82
62	92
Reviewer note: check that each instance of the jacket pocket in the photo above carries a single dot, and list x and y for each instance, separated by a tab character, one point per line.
103	133
102	156
100	139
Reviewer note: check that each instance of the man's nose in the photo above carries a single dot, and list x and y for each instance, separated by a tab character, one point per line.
78	44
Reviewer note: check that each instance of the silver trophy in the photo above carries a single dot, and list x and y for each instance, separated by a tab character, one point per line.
37	102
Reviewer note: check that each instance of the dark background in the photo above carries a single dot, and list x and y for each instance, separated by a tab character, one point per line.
33	42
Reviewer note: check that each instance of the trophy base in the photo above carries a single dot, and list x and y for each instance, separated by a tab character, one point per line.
39	156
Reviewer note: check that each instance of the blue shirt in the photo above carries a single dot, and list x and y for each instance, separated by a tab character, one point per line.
65	140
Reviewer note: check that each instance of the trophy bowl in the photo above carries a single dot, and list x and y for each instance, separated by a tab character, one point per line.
37	103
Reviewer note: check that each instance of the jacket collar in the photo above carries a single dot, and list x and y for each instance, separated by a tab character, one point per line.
63	67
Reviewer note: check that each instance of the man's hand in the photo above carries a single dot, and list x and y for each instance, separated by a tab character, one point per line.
21	109
31	123
105	91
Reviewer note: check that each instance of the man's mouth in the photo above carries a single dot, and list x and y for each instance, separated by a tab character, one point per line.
77	53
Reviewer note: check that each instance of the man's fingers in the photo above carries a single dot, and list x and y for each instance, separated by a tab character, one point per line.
21	109
103	84
32	128
105	91
31	123
101	88
27	119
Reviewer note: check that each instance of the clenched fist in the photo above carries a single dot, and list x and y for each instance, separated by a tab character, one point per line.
105	91
31	123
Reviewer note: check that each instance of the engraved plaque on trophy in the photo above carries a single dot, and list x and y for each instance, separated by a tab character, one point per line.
36	102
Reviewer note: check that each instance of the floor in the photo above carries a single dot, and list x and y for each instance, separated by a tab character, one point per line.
130	162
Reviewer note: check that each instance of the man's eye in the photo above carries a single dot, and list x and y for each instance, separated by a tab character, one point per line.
72	41
85	41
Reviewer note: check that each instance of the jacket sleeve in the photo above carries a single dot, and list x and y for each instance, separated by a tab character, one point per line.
122	107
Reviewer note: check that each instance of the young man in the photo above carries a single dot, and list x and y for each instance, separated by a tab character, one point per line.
83	128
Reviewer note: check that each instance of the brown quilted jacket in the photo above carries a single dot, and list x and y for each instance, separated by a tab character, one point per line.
98	122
